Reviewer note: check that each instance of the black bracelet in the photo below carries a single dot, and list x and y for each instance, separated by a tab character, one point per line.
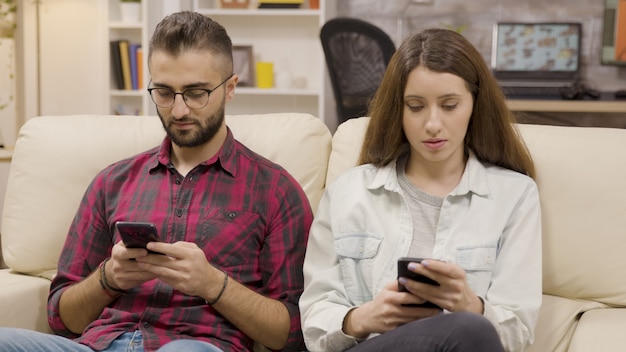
103	280
219	295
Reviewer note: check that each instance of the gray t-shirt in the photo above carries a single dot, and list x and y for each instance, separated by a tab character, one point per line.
424	209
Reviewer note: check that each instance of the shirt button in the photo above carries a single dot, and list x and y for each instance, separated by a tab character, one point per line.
146	325
178	181
179	213
231	215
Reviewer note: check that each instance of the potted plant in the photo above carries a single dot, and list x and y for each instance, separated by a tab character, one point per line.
130	10
8	8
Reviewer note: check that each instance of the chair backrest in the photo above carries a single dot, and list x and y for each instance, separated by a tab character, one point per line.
357	53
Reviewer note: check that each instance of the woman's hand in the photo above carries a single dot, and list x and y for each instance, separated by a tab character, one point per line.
385	312
453	294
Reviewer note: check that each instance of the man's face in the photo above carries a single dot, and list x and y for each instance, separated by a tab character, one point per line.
195	126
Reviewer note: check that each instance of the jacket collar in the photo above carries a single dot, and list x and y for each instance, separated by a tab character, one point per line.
474	178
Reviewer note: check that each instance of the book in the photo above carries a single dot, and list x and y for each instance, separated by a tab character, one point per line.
132	57
140	67
116	65
620	31
125	59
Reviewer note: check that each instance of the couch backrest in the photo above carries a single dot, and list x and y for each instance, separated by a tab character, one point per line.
581	176
56	157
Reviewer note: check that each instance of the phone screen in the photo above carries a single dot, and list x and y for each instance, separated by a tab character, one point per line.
137	234
403	271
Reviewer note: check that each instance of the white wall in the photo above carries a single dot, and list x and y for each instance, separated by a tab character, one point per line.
8	123
62	59
72	57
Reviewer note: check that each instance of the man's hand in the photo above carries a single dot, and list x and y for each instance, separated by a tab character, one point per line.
183	266
122	271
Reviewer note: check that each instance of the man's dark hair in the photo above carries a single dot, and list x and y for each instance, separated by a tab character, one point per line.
190	31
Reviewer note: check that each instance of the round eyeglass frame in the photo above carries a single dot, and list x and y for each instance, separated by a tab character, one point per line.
183	94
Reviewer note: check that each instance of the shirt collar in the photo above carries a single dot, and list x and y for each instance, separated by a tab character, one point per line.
224	158
474	178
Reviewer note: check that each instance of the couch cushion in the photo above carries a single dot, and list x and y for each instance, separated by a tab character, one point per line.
600	330
56	158
299	142
347	142
558	318
581	175
23	301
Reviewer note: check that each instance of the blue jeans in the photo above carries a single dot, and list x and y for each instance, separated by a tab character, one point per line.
21	340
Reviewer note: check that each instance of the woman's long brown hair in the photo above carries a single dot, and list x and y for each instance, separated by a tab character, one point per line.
492	134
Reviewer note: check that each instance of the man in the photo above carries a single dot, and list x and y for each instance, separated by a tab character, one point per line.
232	227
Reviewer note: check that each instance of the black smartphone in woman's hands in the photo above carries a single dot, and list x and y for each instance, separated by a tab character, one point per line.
403	271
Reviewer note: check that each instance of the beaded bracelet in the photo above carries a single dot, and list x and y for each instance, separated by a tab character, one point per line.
105	284
219	295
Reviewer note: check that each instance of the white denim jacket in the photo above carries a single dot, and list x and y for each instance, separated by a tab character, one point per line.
490	225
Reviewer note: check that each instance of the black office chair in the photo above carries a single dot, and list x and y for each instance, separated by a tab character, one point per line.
357	54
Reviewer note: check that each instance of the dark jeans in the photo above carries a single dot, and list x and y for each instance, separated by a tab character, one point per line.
442	333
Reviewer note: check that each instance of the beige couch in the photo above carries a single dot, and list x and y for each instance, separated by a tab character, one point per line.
581	177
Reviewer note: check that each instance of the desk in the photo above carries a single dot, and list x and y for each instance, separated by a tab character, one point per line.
601	106
606	104
6	154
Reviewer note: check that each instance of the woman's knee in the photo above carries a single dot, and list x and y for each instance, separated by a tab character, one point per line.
474	330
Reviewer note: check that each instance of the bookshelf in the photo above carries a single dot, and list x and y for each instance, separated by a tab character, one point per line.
121	100
289	38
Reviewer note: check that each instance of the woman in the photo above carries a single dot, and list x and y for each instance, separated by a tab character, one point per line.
443	175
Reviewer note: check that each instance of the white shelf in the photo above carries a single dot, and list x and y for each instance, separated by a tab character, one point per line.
290	39
259	12
128	93
275	91
125	25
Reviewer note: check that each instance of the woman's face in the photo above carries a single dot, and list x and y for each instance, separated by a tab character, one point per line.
437	110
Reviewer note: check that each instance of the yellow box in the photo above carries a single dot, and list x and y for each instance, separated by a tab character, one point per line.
264	74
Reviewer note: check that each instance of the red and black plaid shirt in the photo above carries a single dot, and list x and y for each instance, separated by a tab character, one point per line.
248	214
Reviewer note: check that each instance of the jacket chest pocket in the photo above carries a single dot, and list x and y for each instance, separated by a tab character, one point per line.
478	262
356	254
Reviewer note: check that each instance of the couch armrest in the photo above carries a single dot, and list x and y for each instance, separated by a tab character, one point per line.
3	265
23	301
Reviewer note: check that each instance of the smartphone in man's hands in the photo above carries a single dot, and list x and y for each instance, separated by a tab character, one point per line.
137	234
403	271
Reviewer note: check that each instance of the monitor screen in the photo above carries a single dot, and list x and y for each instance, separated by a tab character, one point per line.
536	47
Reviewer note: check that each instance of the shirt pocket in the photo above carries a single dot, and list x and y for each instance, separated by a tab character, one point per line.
356	253
478	261
231	238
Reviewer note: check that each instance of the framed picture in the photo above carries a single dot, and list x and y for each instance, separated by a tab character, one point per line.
243	65
234	4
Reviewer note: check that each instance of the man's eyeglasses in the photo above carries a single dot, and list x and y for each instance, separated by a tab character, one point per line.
194	98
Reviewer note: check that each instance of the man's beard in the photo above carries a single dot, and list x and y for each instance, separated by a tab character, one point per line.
208	128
